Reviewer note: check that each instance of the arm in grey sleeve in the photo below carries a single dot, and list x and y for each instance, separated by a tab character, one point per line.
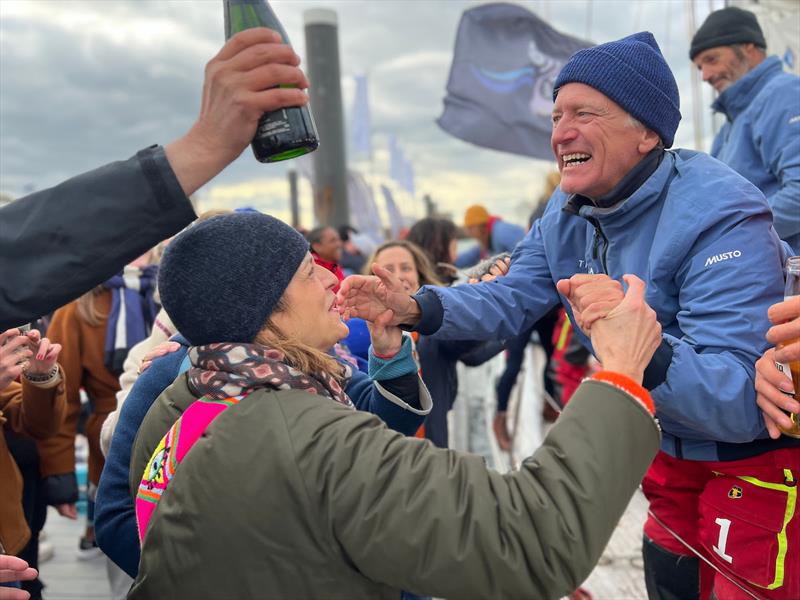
60	242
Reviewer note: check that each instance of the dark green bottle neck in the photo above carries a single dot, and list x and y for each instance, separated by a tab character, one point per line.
246	14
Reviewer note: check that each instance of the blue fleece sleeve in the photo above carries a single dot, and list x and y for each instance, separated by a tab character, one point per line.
115	514
776	135
727	283
505	307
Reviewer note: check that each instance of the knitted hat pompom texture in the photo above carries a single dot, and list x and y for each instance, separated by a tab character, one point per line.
725	27
633	73
220	279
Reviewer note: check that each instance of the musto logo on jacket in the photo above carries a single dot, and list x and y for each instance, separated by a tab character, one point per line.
724	256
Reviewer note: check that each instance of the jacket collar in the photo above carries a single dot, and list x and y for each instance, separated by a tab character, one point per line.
738	96
632	181
627	209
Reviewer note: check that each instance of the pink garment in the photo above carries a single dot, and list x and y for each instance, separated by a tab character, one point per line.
170	452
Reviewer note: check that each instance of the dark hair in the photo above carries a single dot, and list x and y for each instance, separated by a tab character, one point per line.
315	235
345	231
434	236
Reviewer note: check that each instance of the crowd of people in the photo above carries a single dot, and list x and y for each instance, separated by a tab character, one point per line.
266	411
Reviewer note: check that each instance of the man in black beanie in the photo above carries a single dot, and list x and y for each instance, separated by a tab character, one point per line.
702	239
761	103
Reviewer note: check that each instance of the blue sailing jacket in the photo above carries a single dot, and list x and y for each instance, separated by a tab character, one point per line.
504	238
761	140
701	237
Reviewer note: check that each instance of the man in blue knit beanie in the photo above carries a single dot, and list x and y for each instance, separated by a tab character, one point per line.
760	139
701	237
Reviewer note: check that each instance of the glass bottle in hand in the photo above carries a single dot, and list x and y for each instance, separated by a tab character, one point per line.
287	132
793	368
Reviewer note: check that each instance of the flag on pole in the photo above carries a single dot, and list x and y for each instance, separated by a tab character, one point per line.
500	89
400	168
396	221
360	131
364	214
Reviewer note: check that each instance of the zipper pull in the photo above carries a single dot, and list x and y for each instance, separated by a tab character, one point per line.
596	244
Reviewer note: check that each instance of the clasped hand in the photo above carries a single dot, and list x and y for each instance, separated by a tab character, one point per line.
25	352
624	330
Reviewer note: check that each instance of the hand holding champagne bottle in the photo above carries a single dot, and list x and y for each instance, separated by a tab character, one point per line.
287	132
241	84
778	371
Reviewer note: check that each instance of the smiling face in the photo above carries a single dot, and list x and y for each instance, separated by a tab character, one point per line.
329	246
722	66
595	141
310	314
399	261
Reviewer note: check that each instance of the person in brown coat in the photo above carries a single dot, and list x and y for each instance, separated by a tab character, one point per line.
96	331
33	407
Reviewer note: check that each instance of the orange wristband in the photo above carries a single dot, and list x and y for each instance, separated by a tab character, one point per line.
626	384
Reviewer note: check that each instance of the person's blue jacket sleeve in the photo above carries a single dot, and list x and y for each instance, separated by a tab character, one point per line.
723	317
502	308
115	515
469	257
776	135
506	236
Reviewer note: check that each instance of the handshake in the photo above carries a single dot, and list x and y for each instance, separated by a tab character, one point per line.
626	332
623	328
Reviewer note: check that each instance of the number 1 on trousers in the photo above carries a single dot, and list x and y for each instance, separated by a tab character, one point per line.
724	526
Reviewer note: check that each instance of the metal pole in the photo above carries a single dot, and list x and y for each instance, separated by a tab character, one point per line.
697	92
330	162
430	207
293	202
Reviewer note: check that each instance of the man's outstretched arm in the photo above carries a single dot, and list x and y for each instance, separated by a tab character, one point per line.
58	243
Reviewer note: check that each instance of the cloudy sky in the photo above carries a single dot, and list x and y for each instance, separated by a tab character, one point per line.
87	82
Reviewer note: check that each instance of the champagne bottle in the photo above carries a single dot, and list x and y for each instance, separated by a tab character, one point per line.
287	132
792	370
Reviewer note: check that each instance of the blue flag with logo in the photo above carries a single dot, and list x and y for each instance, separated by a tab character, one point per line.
500	90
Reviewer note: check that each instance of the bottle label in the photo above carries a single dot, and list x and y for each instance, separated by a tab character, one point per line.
784	368
273	123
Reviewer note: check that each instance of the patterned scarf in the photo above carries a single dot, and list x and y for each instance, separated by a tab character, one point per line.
224	370
133	311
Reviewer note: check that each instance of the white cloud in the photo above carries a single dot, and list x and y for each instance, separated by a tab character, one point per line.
83	83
